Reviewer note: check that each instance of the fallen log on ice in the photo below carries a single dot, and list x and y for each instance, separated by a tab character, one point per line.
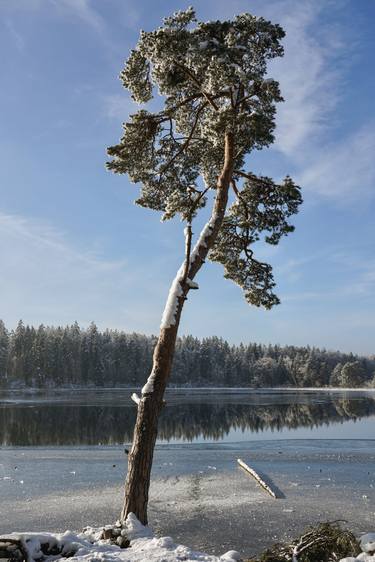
255	475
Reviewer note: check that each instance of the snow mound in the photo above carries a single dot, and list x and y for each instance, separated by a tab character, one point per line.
88	546
368	542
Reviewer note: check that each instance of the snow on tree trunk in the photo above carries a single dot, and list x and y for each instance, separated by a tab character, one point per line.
149	407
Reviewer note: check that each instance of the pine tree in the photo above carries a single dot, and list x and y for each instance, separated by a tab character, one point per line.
18	353
75	342
353	374
39	355
218	108
4	350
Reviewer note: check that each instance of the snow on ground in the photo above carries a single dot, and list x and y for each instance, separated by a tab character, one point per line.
88	546
144	547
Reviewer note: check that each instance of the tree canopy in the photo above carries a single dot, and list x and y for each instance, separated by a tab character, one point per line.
212	76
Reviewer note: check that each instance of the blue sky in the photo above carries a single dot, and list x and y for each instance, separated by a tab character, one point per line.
74	247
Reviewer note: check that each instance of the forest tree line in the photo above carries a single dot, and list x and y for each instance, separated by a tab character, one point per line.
72	356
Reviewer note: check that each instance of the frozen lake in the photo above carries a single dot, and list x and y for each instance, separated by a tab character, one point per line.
62	462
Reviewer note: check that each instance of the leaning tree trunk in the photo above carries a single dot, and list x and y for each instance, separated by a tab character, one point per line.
149	405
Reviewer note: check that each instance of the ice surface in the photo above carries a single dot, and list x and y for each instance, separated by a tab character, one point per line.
210	510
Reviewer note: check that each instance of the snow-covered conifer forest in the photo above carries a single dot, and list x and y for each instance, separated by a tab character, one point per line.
70	355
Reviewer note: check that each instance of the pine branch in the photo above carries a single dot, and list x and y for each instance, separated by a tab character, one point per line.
209	98
186	143
244	175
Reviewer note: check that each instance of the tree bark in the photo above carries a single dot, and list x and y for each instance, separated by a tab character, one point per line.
149	407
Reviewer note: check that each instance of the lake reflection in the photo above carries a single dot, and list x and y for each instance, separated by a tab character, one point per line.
107	417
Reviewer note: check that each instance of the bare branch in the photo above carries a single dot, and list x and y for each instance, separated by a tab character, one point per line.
221	94
239	197
231	98
159	118
197	82
233	184
243	175
188	237
186	143
189	234
135	398
201	195
209	233
184	102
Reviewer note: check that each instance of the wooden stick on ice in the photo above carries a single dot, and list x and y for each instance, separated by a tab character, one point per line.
255	475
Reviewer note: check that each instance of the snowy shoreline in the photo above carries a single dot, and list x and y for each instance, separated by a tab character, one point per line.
89	545
212	506
130	542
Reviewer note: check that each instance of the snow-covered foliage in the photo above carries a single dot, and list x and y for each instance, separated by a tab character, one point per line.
88	546
48	357
262	206
212	76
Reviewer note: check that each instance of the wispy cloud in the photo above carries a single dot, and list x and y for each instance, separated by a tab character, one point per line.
319	51
83	10
24	5
358	267
46	238
129	14
16	36
342	272
119	106
311	71
47	277
310	75
344	170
